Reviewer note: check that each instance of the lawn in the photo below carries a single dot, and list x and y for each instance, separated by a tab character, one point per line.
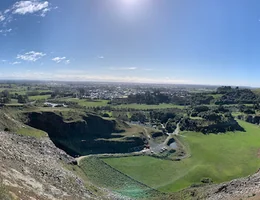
219	157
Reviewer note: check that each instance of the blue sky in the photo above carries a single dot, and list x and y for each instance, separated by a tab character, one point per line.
153	41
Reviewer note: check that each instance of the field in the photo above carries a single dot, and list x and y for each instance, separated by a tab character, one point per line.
39	97
85	102
96	103
219	157
103	175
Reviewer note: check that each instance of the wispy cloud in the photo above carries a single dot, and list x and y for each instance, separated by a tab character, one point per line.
15	63
123	68
5	31
61	60
101	57
31	56
58	59
2	17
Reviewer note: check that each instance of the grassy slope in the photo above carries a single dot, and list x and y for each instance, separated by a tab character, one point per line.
33	132
220	157
103	175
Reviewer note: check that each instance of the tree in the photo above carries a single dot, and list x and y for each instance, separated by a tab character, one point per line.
23	99
5	97
138	117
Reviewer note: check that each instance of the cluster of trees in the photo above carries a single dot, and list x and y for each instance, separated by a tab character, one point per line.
227	123
198	99
162	116
198	109
60	92
155	116
22	99
225	89
155	98
138	117
5	97
36	92
236	96
148	98
253	119
247	109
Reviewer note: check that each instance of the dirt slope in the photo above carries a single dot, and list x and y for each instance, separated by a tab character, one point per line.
33	169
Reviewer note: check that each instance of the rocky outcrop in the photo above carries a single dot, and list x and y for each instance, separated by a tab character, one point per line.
35	168
242	188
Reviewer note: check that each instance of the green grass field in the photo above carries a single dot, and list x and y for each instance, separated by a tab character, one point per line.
219	157
85	102
39	97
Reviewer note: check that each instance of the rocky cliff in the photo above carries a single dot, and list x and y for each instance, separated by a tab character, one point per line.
89	134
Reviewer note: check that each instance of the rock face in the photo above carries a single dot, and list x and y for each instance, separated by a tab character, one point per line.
35	167
90	134
242	188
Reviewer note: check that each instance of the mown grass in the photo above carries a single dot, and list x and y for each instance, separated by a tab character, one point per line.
219	157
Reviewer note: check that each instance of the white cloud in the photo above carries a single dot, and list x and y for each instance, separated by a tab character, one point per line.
31	56
2	17
61	60
58	59
101	57
15	63
123	68
31	6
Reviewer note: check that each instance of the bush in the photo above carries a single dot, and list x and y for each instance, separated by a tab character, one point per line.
206	180
106	115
